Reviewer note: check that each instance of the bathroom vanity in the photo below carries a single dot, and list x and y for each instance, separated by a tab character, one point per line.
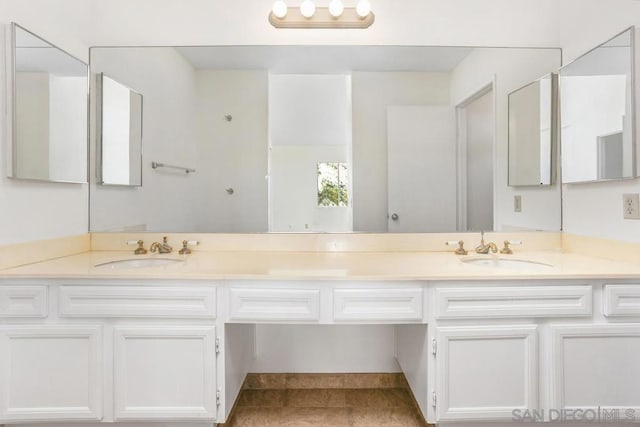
174	342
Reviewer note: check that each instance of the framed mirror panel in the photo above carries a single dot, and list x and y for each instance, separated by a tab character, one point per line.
597	108
49	111
120	134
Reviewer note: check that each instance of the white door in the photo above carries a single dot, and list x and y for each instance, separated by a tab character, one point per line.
50	373
165	373
421	152
596	366
484	373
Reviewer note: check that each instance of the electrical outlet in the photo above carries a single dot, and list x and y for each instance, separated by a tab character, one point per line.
631	206
517	203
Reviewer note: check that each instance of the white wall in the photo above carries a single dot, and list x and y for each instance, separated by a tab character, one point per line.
595	209
510	69
162	22
36	210
325	349
576	25
372	93
232	154
167	199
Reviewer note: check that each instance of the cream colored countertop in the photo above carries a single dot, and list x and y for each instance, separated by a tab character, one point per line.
325	266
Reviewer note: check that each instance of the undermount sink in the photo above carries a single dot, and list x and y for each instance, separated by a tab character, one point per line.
508	264
126	264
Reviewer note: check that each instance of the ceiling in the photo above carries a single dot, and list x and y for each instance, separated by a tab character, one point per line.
326	59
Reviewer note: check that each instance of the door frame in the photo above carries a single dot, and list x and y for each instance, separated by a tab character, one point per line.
461	152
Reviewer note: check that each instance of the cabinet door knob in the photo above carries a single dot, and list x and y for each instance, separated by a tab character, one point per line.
395	217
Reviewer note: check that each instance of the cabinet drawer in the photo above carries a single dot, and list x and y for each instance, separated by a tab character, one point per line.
377	304
622	300
137	301
514	302
274	304
24	301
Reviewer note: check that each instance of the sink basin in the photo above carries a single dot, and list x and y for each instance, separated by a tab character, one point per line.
508	264
126	264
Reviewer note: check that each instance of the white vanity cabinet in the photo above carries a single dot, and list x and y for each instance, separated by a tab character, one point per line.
483	373
108	352
50	372
164	373
596	366
487	345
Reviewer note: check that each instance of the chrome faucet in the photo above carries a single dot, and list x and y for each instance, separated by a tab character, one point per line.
485	248
161	248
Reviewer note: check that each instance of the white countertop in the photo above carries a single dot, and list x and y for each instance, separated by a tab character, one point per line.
325	266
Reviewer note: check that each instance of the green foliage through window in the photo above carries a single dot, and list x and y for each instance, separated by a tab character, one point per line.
333	184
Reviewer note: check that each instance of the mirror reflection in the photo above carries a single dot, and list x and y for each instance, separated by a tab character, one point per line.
532	132
49	111
120	151
597	110
323	139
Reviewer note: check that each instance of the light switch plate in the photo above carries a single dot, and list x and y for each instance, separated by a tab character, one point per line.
631	206
517	203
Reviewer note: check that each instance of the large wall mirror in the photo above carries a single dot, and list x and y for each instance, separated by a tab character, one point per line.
598	113
533	133
322	139
49	114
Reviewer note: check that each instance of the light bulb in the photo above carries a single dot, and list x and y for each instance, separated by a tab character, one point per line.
307	9
336	8
279	9
363	9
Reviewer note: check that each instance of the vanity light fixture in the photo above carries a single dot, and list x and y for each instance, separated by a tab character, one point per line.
336	15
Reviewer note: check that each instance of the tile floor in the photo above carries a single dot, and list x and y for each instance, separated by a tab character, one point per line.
349	400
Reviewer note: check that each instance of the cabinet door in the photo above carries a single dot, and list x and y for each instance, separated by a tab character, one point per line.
165	373
596	366
50	373
484	373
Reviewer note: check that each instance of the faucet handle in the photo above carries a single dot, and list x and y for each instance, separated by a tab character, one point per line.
185	246
507	250
461	250
140	250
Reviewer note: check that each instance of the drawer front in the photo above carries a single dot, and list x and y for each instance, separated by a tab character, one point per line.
274	304
24	301
378	305
622	300
137	301
514	302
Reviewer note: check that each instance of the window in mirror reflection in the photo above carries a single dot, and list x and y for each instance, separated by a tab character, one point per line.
596	101
121	134
50	112
333	184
